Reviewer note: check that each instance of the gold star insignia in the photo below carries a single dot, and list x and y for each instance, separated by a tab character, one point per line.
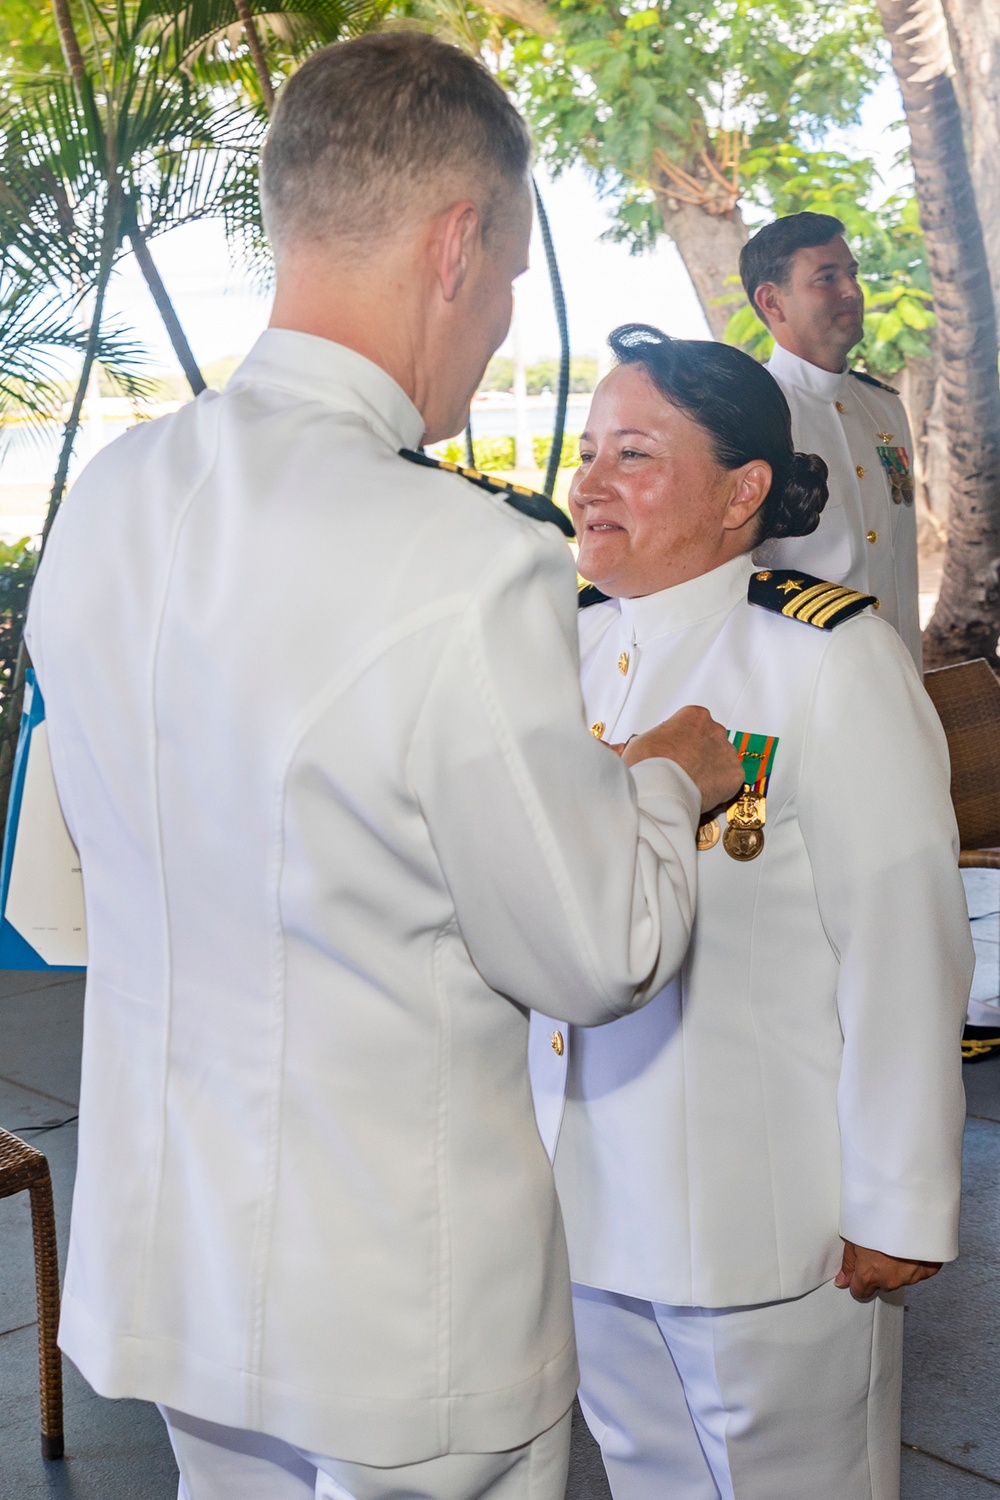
790	586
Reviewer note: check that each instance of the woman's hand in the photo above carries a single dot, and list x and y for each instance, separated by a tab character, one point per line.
869	1271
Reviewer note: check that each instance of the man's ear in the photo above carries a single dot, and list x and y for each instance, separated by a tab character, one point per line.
459	234
768	303
753	482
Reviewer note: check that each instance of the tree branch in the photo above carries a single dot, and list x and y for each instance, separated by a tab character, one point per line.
256	52
70	44
164	306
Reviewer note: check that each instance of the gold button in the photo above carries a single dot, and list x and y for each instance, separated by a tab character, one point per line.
876	604
841	407
597	729
623	663
873	537
860	471
763	577
557	1043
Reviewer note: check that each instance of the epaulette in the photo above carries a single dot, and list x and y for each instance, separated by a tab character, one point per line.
870	380
588	594
528	502
802	597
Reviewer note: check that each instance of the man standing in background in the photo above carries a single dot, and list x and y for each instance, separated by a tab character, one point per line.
802	279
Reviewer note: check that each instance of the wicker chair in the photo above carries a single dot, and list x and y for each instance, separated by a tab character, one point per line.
967	698
23	1169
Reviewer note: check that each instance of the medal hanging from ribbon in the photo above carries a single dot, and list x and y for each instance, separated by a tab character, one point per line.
896	462
744	836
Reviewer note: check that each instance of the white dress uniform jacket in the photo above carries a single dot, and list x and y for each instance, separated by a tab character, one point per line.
317	732
864	538
800	1079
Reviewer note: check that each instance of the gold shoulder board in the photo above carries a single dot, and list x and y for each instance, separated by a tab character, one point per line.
870	380
528	502
799	596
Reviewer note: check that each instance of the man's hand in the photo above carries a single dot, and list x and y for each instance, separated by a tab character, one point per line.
869	1271
693	739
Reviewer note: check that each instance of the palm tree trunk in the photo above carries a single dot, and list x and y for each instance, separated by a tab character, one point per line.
966	622
68	41
257	53
974	28
164	306
72	426
559	304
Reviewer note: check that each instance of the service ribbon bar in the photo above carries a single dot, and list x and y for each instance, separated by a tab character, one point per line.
756	751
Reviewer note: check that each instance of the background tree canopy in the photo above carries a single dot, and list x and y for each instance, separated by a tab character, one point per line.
121	119
680	109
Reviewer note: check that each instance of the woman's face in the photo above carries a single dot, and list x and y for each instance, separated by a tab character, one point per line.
650	504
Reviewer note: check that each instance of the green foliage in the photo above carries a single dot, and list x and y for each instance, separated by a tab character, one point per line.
37	331
29	41
497	454
17	569
632	92
541	376
499	374
544	376
899	317
569	458
136	144
492	454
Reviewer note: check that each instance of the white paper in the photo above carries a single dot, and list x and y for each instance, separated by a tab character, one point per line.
45	898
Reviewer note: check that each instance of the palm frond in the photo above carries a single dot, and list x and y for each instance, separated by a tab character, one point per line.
40	337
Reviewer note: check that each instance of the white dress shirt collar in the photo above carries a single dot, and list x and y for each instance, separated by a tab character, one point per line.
713	593
320	370
789	369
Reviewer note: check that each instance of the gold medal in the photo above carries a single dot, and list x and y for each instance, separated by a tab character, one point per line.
708	835
742	843
744	835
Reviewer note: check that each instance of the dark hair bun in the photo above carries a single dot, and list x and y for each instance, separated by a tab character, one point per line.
794	508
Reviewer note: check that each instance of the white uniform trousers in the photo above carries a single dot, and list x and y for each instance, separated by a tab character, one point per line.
228	1463
783	1401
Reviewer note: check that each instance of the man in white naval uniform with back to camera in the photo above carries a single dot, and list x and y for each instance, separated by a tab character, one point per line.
802	279
316	729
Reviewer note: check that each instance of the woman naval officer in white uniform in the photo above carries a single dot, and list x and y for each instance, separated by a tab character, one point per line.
781	1127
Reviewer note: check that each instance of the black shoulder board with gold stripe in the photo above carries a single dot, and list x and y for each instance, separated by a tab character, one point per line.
802	597
588	594
870	380
528	502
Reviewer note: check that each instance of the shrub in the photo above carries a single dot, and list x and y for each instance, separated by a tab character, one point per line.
568	459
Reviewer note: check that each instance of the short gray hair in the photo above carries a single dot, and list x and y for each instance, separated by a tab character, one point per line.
363	127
